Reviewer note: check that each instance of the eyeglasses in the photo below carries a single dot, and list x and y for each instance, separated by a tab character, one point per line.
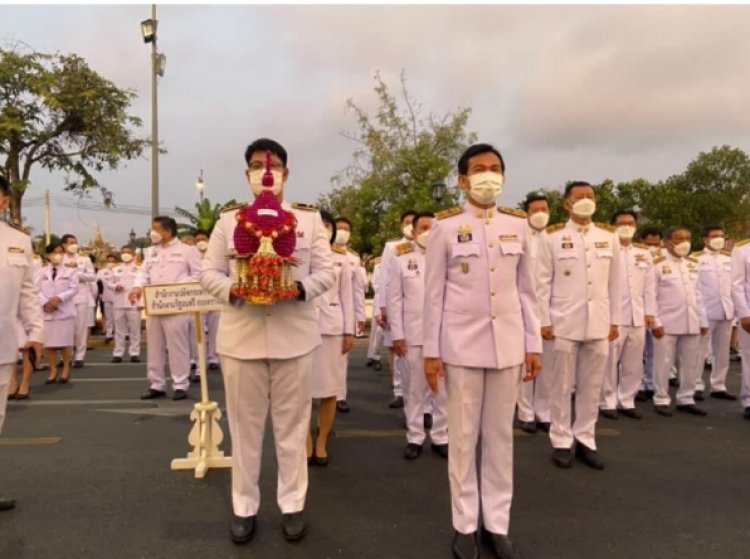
259	166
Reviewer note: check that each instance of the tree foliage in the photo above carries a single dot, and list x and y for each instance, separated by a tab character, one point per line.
400	154
204	217
58	114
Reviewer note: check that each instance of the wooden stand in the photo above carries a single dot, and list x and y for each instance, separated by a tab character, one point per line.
206	435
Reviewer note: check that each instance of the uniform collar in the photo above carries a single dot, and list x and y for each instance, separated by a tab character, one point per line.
582	229
480	213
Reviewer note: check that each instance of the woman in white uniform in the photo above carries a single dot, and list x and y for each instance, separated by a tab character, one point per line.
336	322
20	391
58	285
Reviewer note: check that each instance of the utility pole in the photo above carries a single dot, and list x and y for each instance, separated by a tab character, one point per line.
154	122
47	219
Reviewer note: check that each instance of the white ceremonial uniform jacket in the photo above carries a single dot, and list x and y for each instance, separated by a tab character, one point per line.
174	262
288	329
480	304
385	261
18	292
578	281
65	286
406	296
715	283
679	305
637	285
86	275
359	284
108	294
336	306
741	278
123	275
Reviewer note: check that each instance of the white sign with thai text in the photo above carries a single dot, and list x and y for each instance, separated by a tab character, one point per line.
179	298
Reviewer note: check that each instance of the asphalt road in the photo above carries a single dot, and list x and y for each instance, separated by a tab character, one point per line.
89	465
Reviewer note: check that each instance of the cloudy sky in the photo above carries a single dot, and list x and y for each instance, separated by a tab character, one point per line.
565	92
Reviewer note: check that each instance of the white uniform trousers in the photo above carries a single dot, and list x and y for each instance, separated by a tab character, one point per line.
716	343
211	326
127	324
376	339
417	396
648	363
252	387
110	322
5	371
580	364
626	358
534	396
481	401
168	334
81	336
686	349
744	339
399	366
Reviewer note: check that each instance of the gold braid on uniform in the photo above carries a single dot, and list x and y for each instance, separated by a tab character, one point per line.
512	211
404	248
741	243
449	212
305	207
659	259
231	207
606	227
20	228
555	227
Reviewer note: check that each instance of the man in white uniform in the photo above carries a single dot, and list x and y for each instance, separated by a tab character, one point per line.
579	296
83	299
210	319
108	296
741	299
376	331
127	314
267	355
482	334
18	300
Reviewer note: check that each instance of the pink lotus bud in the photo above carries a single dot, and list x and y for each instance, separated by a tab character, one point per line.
268	175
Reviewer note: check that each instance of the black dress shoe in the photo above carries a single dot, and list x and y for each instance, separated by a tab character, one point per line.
153	394
213	367
641	396
746	413
193	366
396	403
78	364
294	526
412	451
562	458
501	545
117	360
589	456
465	546
440	449
378	366
179	394
242	529
427	421
698	396
370	363
609	414
692	409
723	395
527	427
666	411
543	426
21	396
7	504
135	359
343	407
632	413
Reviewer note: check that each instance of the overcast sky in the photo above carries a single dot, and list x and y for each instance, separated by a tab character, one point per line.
564	92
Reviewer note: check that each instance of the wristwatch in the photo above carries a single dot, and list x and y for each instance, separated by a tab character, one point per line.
301	294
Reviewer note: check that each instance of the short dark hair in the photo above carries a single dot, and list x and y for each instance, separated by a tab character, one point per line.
420	215
52	247
706	231
618	213
569	188
111	255
342	219
201	232
65	238
4	186
406	214
264	145
123	247
327	217
477	149
534	197
167	223
651	232
672	230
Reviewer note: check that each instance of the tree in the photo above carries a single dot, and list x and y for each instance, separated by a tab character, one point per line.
58	114
399	156
204	217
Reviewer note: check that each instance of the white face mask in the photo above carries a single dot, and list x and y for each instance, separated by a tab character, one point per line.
342	236
626	232
717	243
485	187
126	257
407	230
202	246
539	220
256	182
422	238
55	258
585	207
156	238
72	249
682	249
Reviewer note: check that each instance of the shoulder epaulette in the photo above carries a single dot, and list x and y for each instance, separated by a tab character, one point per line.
404	248
659	259
691	259
305	207
742	242
555	227
20	228
339	249
640	245
515	212
696	254
726	252
442	214
354	252
71	265
231	207
375	261
606	227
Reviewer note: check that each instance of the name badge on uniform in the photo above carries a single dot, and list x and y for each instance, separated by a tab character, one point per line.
15	250
300	234
602	244
464	233
666	269
413	265
508	237
567	242
640	258
465	267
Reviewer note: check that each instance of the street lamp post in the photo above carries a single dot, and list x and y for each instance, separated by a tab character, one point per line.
200	185
132	237
438	191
